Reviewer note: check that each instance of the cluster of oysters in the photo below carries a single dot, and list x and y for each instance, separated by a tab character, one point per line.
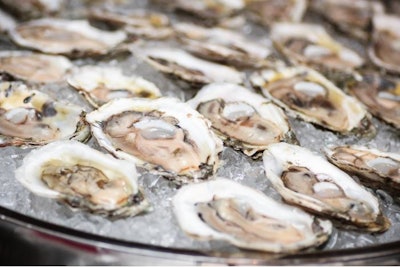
245	91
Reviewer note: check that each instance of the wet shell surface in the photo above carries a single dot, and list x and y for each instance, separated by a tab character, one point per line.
380	94
384	50
243	119
34	67
73	38
102	84
30	117
83	178
306	179
163	135
225	46
222	209
310	44
307	94
195	71
268	12
375	168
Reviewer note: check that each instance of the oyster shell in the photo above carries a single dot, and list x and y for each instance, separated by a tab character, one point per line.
381	95
34	67
243	119
163	135
268	12
310	44
225	46
305	179
102	84
28	9
194	71
353	17
384	50
30	117
375	168
222	209
7	22
83	178
73	38
305	93
138	22
211	11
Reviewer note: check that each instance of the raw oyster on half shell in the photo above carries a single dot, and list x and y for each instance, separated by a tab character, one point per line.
305	93
380	94
310	44
268	12
34	67
353	17
225	46
375	168
30	117
102	84
140	23
194	71
73	38
83	178
222	209
243	119
163	135
384	50
307	180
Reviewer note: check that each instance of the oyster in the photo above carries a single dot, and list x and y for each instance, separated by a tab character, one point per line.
73	38
375	168
268	12
102	84
305	93
225	46
211	11
7	22
243	119
310	44
34	67
226	210
196	72
30	117
83	178
305	179
384	50
381	95
354	17
28	9
163	135
140	23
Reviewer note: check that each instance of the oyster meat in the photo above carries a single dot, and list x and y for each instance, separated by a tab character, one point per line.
163	135
83	178
34	67
381	95
194	71
305	93
384	50
222	209
375	168
102	84
268	12
73	38
30	117
307	180
225	46
243	119
139	23
353	17
310	44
